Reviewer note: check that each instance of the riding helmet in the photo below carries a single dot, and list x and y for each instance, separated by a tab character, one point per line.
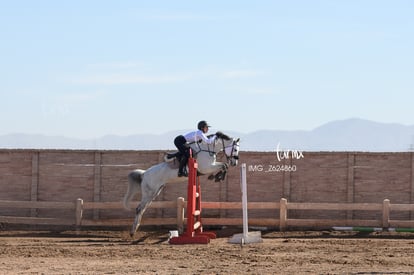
202	124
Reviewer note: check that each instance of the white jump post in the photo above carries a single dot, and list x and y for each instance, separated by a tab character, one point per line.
246	237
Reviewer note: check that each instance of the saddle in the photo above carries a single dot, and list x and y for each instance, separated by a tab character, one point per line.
175	155
171	156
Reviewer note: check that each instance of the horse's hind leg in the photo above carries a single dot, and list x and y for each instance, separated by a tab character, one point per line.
138	216
143	205
140	210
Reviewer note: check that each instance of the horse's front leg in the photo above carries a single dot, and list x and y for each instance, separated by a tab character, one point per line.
221	174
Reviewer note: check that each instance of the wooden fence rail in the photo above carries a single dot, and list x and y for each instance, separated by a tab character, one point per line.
283	222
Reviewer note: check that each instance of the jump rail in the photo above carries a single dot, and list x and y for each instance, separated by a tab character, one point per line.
283	222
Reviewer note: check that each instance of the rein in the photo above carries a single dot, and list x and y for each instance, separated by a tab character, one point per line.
199	149
212	151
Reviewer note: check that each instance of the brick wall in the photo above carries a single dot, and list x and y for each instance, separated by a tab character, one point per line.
64	175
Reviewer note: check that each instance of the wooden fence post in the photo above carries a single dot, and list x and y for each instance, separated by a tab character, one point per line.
97	182
386	213
35	182
180	214
78	214
283	214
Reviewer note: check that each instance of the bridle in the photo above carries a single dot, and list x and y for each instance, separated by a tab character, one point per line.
233	150
214	153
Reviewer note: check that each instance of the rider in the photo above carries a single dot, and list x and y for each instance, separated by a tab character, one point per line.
181	142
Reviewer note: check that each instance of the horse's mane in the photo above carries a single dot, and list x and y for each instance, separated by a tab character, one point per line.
225	137
222	135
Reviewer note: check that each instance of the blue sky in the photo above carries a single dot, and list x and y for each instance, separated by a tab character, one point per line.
90	68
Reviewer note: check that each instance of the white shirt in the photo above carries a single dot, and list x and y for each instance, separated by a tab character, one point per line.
198	135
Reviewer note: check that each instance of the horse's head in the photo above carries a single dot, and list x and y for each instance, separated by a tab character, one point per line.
231	148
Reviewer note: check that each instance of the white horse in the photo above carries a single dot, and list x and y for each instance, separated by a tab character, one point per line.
153	180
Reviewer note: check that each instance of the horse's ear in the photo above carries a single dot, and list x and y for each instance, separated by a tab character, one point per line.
238	139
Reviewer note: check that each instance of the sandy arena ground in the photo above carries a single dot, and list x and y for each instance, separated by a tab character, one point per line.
114	252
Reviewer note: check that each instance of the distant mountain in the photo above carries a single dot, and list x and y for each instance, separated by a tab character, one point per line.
342	135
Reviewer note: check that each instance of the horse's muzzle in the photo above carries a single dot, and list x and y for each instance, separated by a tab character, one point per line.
234	161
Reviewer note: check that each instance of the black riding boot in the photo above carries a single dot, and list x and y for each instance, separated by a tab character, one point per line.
182	170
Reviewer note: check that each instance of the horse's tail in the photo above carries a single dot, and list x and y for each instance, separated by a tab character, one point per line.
134	184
